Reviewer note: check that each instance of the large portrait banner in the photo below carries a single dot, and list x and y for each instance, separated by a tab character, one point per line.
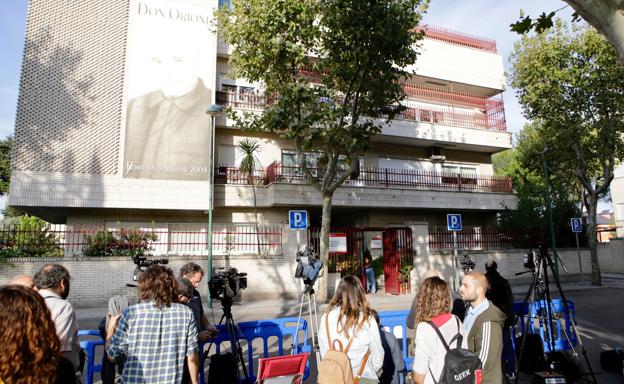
170	83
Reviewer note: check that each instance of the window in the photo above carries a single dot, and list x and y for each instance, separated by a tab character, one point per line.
451	172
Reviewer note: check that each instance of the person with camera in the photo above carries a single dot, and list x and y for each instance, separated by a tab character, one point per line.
157	335
349	321
194	274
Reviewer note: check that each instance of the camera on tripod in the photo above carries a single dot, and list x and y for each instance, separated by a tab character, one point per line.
142	263
467	263
308	267
226	283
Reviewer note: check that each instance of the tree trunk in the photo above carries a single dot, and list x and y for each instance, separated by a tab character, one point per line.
592	206
322	294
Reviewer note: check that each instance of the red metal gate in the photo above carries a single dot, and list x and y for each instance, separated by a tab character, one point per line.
397	251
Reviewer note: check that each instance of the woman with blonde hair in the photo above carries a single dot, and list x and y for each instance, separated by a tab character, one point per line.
30	349
434	306
349	322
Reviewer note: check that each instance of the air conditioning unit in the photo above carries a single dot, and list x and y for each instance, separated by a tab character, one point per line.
436	154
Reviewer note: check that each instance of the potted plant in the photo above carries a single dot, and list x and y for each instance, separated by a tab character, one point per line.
404	278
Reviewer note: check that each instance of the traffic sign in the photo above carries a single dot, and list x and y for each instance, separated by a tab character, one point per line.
576	224
454	222
298	219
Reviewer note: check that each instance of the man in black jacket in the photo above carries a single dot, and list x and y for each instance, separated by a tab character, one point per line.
500	294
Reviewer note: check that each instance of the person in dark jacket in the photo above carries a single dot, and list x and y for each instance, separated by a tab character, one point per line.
393	363
501	295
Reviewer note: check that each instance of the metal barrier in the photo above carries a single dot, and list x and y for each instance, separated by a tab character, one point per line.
89	346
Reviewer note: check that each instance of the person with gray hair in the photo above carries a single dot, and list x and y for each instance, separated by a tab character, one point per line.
53	283
194	274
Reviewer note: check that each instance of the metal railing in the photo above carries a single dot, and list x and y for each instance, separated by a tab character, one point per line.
459	38
162	239
470	238
374	178
452	108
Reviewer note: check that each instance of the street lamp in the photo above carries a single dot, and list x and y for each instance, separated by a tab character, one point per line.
213	111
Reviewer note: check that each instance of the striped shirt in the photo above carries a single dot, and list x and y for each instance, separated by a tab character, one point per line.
155	342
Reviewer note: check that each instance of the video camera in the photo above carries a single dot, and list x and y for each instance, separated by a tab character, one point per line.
467	263
142	263
226	283
308	267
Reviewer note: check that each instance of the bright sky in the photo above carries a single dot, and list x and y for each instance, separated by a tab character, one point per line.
486	18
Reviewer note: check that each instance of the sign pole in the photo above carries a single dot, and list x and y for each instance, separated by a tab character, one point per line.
456	280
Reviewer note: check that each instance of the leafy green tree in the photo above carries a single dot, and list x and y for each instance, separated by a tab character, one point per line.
570	80
355	50
6	146
529	221
248	165
607	16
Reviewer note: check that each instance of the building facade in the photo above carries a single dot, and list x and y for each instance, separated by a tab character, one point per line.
111	133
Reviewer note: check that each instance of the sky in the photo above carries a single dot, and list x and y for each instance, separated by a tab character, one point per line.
485	18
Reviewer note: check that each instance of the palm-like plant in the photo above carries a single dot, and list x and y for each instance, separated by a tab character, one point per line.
248	165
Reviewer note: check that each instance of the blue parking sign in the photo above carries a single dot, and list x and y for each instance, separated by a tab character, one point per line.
576	224
454	222
298	219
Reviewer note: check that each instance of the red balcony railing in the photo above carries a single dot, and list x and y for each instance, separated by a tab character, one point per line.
374	178
442	107
459	38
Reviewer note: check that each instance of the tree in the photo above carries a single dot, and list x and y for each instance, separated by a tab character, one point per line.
529	221
570	80
607	16
331	68
6	146
248	165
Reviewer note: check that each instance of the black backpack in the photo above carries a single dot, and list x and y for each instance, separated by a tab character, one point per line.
461	366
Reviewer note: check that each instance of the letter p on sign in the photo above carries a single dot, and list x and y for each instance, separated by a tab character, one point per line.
298	219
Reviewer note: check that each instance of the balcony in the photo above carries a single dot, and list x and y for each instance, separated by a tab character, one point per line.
423	105
374	178
458	38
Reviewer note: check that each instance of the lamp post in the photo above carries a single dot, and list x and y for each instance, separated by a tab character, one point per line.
551	224
213	111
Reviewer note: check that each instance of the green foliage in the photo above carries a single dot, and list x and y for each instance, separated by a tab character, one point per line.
6	146
123	242
249	148
362	45
404	272
29	237
528	222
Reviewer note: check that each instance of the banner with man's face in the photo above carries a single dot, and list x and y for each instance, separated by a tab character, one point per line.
170	83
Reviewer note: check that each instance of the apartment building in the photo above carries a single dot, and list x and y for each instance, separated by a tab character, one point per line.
95	147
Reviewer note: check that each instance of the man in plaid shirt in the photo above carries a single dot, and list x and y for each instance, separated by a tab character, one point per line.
155	335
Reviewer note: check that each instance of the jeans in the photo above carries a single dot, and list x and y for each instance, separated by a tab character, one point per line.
371	282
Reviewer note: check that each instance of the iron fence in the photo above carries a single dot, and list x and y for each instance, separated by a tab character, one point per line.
158	239
481	238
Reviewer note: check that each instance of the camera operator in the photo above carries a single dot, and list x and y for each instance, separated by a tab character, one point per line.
194	274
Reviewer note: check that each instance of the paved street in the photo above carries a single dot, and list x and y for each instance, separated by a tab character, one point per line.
599	314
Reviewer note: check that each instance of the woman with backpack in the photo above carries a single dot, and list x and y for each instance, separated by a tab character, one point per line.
433	310
348	336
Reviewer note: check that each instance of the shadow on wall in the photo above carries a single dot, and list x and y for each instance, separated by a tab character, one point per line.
53	107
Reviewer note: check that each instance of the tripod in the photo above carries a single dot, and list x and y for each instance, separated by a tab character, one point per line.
235	345
309	292
539	291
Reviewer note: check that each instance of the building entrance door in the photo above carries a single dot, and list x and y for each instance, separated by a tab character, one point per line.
397	253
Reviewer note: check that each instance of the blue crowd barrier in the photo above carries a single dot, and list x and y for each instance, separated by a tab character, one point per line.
395	323
89	347
280	329
560	327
